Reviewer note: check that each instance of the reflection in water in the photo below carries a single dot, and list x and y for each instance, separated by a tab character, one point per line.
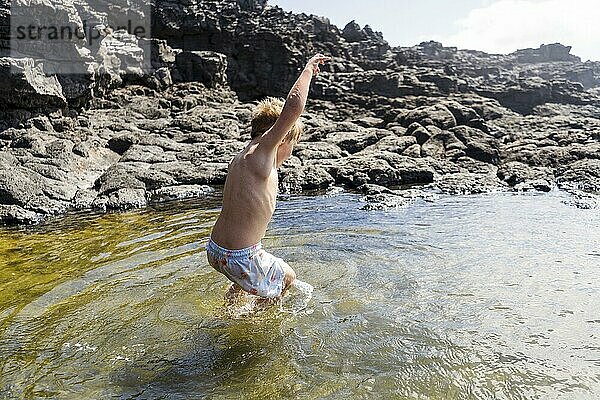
483	296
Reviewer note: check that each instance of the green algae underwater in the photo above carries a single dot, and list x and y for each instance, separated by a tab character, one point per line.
490	296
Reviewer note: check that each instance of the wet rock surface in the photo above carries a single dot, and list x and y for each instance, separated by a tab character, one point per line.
439	119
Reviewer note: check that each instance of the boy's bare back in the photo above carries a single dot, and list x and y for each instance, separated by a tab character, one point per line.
248	199
251	186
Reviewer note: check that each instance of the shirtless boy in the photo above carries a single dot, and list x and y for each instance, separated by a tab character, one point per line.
234	248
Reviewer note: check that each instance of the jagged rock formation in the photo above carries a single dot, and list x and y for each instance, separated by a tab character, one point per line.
120	135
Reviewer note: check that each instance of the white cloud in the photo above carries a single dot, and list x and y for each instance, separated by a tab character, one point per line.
507	25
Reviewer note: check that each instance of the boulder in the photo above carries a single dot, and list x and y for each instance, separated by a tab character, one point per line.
393	144
381	168
117	177
468	183
353	33
170	193
20	186
523	96
478	144
353	142
465	115
23	84
302	178
515	173
207	67
122	199
378	199
318	150
15	215
390	84
437	115
581	175
546	53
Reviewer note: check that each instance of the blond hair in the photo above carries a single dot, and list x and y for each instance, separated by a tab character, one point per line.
265	115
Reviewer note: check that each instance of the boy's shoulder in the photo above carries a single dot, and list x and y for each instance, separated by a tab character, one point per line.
250	160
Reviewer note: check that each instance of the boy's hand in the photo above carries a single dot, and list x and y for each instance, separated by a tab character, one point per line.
315	61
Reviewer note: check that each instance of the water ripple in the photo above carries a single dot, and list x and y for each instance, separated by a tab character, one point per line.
466	297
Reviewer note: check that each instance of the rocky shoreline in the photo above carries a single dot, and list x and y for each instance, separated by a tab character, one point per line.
380	118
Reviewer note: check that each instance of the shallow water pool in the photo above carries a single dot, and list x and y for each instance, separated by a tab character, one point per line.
492	296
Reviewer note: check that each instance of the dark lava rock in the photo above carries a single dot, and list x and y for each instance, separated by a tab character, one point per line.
121	143
304	178
353	142
15	215
122	199
546	53
479	145
437	115
468	183
207	67
118	136
170	193
116	178
581	175
19	186
23	84
381	198
385	168
521	175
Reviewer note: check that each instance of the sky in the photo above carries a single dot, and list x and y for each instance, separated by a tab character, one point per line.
493	26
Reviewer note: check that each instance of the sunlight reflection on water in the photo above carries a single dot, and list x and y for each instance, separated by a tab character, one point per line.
491	296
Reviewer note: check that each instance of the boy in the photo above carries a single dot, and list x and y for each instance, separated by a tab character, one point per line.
234	248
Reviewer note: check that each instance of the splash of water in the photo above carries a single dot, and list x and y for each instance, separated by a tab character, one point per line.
297	298
243	305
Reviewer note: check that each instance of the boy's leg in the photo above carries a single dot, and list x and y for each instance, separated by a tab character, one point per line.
288	278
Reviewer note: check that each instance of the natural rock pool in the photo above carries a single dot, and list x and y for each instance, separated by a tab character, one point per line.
491	296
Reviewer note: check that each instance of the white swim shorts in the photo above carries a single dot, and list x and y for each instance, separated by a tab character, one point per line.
253	269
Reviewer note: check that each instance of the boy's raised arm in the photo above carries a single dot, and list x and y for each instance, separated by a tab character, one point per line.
294	103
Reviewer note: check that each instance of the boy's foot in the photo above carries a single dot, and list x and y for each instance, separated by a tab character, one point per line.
234	294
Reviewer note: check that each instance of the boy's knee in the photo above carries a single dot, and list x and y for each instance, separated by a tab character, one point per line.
290	275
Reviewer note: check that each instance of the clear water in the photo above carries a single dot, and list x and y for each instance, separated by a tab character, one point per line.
491	296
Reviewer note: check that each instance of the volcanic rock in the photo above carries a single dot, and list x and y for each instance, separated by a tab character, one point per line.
128	130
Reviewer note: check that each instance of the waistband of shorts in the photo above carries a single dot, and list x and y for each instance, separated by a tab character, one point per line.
240	253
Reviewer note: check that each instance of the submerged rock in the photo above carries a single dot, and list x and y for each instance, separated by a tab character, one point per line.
469	183
583	200
381	198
